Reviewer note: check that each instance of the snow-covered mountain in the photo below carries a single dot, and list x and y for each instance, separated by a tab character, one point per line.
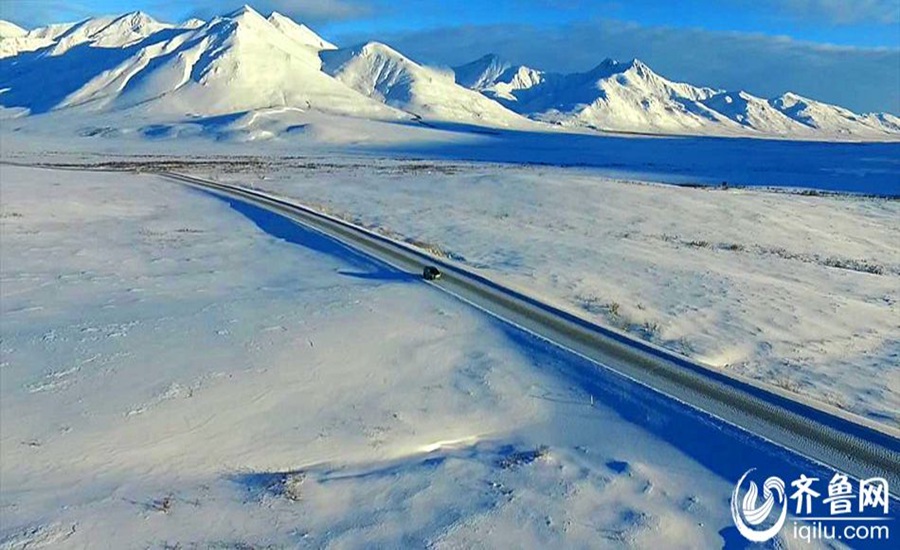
105	32
235	63
632	97
383	73
481	73
823	116
251	68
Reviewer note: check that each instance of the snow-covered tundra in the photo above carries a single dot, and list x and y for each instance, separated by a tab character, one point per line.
799	291
179	370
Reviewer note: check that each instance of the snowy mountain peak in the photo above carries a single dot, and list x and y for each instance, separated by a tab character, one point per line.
637	64
136	23
490	61
481	73
245	16
383	73
248	27
368	66
244	11
379	48
367	62
609	67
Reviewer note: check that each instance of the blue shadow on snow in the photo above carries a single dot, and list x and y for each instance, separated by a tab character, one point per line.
721	448
278	226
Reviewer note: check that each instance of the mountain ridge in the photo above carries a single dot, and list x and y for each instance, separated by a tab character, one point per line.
630	96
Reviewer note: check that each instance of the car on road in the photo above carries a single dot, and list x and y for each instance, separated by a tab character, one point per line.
431	273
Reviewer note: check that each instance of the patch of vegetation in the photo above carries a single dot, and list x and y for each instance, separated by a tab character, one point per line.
291	486
860	265
835	400
732	247
431	248
863	266
613	308
164	504
786	383
522	458
650	328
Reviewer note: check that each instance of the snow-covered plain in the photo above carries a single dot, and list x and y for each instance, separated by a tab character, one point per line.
798	291
181	371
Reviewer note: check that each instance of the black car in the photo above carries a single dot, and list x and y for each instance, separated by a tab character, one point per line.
431	273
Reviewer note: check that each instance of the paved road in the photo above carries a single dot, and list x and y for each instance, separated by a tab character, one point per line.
823	434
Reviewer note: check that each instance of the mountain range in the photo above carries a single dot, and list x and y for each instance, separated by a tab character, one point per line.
249	70
631	97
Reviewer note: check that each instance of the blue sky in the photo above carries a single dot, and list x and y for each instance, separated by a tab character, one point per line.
842	51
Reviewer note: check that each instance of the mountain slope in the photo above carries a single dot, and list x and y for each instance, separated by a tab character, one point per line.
381	72
299	32
498	79
481	73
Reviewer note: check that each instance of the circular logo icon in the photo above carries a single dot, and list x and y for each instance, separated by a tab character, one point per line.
749	515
